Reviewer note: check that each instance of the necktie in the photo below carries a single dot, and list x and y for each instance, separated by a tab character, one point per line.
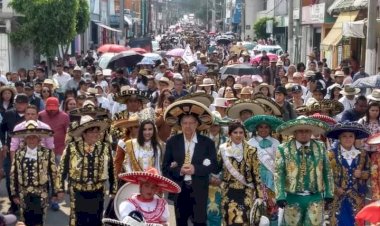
265	143
187	154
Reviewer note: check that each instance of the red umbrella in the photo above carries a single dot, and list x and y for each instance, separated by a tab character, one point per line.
370	213
271	56
112	48
139	50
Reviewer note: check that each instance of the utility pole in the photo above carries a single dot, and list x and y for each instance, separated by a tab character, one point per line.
297	54
122	28
290	31
207	22
243	20
213	12
370	56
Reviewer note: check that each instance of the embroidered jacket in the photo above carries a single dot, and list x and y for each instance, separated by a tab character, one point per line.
291	176
33	175
87	171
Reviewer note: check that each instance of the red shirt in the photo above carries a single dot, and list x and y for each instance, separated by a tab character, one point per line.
59	123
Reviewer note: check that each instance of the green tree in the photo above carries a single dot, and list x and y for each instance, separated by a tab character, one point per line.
260	27
48	24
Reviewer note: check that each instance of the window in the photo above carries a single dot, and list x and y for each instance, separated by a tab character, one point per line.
265	5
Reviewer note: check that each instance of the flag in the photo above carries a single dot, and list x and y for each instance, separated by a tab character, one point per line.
188	55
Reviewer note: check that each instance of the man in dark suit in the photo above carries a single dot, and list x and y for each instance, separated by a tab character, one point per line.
12	117
189	159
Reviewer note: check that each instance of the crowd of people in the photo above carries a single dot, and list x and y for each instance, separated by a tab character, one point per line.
287	145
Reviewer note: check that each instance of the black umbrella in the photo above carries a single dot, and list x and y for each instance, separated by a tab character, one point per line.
237	69
127	58
372	81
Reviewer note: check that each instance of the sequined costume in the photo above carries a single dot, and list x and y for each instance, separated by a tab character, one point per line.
266	152
214	208
238	191
375	175
32	172
138	158
302	178
344	163
87	168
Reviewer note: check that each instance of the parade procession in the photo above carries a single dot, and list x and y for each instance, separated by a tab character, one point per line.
192	121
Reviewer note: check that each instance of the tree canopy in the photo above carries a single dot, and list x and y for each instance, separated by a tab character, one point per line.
49	23
260	27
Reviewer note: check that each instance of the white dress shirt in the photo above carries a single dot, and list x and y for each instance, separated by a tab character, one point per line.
349	155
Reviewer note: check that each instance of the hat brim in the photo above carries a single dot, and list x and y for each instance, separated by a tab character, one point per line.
11	89
374	139
124	96
125	123
272	121
325	119
204	85
97	111
276	109
41	133
359	133
163	183
203	98
178	109
370	97
169	83
102	124
317	127
255	107
343	92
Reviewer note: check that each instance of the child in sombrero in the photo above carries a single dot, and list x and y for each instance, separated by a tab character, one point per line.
154	208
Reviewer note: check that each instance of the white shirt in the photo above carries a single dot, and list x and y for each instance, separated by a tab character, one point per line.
190	146
31	153
348	104
349	155
235	151
299	145
62	80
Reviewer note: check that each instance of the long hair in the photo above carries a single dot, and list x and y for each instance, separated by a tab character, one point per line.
155	141
372	104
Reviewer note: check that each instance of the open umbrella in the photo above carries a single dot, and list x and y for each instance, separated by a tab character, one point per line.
146	61
370	213
223	41
237	69
139	50
125	59
178	52
372	81
111	48
271	56
104	59
152	56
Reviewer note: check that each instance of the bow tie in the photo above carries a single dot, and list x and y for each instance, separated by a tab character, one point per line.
265	143
304	150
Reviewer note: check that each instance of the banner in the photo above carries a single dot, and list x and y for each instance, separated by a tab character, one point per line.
188	55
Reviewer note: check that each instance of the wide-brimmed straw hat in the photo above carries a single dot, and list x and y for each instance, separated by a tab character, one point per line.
151	175
374	139
31	128
167	81
334	107
348	90
201	97
302	123
125	120
89	108
246	91
51	82
129	93
269	103
251	105
10	88
358	129
87	122
337	74
174	113
270	88
207	82
256	120
375	95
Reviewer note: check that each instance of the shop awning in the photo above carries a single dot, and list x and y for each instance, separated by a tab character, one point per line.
128	19
106	27
336	32
354	29
347	5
